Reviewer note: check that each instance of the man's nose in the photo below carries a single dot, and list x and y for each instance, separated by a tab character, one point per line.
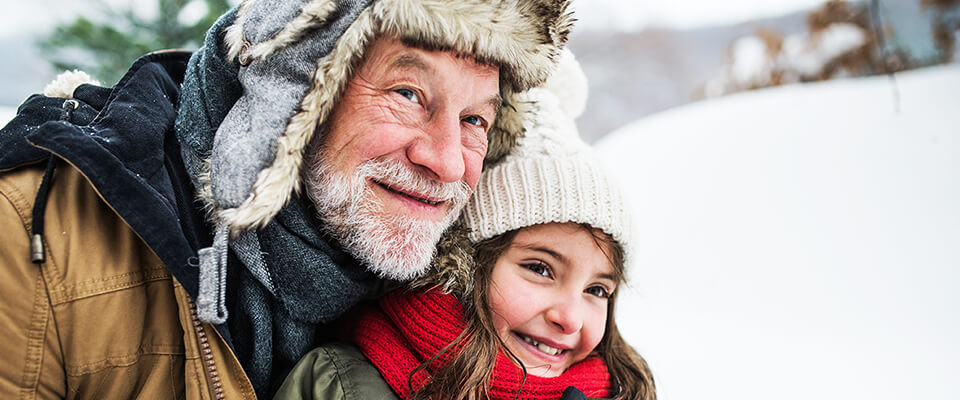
566	313
439	149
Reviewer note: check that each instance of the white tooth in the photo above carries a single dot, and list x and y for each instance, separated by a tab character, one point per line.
547	349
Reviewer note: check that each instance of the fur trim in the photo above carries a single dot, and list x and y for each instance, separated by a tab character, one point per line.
67	82
452	268
506	130
233	38
523	37
204	193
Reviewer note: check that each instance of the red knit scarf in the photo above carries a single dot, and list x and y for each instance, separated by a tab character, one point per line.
409	328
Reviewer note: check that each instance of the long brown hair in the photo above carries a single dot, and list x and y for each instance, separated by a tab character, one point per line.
467	375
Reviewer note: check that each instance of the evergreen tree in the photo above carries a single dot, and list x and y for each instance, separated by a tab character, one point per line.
105	47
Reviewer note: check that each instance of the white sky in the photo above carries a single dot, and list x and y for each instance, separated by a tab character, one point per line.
633	14
37	15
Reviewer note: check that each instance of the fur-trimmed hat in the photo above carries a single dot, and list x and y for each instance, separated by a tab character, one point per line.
296	58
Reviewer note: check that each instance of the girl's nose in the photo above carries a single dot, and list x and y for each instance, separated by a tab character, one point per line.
566	314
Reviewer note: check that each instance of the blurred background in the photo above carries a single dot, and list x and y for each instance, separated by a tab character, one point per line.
794	169
641	56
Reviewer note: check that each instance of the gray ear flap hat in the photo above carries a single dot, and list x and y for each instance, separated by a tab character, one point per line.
256	154
297	56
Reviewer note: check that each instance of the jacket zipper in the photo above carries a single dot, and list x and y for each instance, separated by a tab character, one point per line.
210	370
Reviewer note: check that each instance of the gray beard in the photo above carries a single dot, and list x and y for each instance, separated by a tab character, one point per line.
392	246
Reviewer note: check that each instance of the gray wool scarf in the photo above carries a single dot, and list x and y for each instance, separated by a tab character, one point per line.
276	312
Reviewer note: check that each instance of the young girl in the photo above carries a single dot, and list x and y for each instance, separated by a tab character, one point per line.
525	308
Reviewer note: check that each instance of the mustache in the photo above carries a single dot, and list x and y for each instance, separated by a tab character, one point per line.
397	175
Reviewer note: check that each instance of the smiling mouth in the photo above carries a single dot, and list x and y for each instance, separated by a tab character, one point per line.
553	351
408	195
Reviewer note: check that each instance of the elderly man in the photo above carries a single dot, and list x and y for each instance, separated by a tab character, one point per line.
157	242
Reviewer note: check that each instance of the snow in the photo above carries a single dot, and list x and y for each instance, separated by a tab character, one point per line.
750	61
798	242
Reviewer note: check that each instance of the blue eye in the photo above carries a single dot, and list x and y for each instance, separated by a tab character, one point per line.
475	120
408	94
598	291
538	268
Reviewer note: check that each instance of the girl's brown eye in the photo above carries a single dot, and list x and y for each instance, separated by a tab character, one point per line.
538	268
598	291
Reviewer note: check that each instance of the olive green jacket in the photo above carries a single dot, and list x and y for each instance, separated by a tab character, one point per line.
335	371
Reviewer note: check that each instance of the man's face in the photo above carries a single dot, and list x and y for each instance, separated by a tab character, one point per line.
401	153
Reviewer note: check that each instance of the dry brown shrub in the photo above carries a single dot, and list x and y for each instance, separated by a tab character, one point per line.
835	11
940	3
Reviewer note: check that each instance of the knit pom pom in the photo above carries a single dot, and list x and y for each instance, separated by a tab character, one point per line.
569	84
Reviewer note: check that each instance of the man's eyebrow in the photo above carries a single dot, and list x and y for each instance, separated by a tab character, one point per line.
495	101
411	61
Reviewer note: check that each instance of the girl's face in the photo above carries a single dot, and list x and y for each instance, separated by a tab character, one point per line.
548	296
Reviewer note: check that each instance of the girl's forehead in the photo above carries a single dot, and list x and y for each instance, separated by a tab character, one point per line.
569	243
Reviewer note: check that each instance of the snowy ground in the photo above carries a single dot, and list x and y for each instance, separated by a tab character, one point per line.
799	242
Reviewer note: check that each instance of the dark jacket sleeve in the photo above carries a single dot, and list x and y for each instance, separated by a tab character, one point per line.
572	393
332	372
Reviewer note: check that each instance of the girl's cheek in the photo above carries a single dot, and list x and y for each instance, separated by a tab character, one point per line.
596	328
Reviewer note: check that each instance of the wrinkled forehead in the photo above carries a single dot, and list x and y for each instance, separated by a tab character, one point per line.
405	54
474	57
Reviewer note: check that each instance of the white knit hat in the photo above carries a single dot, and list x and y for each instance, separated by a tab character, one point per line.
551	175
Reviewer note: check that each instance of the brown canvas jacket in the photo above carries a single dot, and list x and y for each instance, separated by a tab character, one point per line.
101	318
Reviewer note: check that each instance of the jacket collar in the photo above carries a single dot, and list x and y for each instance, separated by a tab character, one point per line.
121	140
